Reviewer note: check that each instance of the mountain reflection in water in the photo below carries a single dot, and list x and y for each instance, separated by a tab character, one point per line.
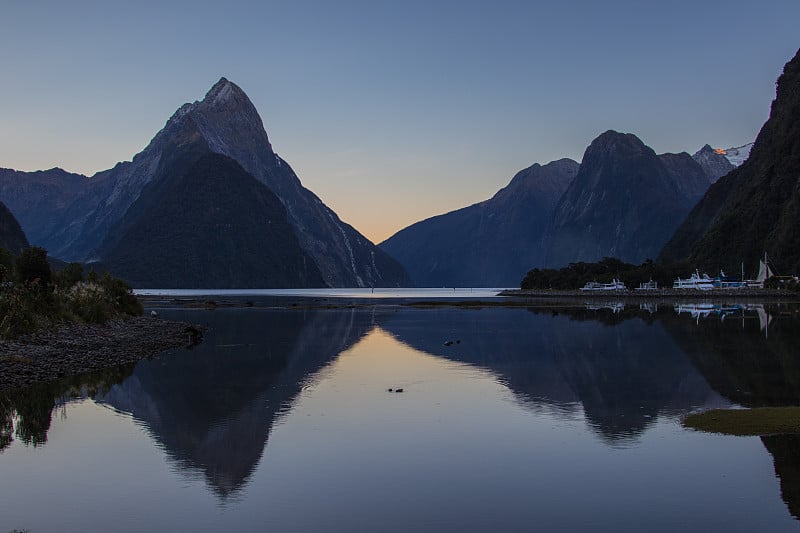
624	376
212	409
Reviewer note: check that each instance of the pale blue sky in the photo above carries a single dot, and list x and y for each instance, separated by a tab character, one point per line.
392	111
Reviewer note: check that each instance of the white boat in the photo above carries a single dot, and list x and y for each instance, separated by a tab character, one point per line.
696	281
615	285
764	273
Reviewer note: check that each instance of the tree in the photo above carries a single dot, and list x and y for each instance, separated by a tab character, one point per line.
70	275
6	265
32	265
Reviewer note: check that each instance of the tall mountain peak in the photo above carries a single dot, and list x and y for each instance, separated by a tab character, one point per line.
103	211
624	202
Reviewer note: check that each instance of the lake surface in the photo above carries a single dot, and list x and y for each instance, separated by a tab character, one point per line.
351	293
510	419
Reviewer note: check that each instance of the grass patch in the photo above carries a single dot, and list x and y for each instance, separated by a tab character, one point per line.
747	422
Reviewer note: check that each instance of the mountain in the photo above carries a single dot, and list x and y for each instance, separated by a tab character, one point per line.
625	202
214	210
756	207
713	162
12	237
40	200
489	244
224	122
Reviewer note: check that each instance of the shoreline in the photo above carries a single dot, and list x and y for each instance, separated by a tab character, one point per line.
658	295
75	349
505	298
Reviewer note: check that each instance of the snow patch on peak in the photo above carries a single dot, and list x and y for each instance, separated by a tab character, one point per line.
738	154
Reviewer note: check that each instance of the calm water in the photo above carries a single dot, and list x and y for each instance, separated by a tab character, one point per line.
531	420
359	293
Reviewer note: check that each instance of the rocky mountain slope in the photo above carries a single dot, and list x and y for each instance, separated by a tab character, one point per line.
492	243
215	210
756	207
714	164
625	202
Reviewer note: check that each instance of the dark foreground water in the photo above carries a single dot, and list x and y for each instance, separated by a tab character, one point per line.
530	420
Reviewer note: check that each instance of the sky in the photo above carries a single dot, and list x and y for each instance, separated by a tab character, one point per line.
392	112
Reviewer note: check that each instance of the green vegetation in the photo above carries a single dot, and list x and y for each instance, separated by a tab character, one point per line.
788	283
39	298
747	422
576	275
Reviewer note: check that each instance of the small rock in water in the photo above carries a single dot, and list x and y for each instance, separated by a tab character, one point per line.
153	314
448	343
389	390
398	390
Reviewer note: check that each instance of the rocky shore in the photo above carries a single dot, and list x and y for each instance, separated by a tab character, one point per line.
79	348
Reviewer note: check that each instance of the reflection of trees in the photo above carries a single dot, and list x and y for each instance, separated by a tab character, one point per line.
6	422
213	409
623	368
27	413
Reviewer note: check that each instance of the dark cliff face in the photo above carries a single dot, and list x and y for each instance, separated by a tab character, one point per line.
12	237
489	244
625	202
756	207
224	122
213	226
